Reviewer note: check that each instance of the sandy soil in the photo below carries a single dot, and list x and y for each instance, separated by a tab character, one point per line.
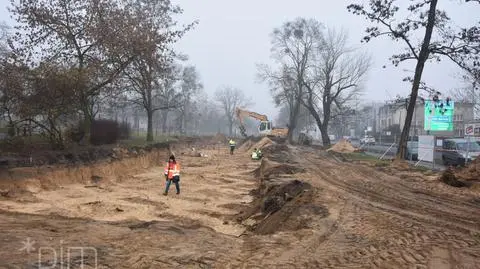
232	215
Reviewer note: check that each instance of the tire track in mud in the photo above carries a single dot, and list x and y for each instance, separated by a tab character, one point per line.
411	226
401	199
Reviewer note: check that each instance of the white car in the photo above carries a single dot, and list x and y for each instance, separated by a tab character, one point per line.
368	140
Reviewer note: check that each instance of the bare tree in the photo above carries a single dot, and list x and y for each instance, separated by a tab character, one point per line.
167	94
208	116
230	98
304	120
155	58
292	46
422	15
469	93
334	78
189	87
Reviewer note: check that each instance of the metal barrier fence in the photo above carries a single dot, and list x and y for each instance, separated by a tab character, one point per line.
433	156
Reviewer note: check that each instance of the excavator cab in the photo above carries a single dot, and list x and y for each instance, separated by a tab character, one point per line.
265	127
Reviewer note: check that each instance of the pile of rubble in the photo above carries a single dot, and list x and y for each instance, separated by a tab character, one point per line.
463	176
343	146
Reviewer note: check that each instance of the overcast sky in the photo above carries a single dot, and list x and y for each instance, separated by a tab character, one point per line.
233	36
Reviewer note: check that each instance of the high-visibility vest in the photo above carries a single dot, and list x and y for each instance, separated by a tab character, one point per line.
173	171
254	155
232	143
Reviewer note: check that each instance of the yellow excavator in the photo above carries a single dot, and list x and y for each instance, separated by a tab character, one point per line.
265	128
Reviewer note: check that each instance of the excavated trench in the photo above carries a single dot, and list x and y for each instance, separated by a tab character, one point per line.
297	208
281	200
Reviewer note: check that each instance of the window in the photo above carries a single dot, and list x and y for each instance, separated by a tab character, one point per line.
458	117
472	146
459	132
264	126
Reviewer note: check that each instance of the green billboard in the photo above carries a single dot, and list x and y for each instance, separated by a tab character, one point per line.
438	115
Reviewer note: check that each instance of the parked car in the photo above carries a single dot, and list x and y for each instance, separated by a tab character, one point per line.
367	140
455	151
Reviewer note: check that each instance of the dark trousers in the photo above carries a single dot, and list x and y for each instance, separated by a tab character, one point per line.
176	180
232	148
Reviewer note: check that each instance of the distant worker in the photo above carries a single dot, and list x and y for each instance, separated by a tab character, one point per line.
172	173
232	144
256	154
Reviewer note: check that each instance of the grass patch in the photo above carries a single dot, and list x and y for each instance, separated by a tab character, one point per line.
422	169
361	156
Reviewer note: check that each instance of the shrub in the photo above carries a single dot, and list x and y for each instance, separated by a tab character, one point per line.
104	132
124	130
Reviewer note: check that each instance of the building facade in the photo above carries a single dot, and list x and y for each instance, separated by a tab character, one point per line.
392	116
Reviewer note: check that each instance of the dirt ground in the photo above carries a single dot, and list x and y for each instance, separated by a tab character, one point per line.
299	208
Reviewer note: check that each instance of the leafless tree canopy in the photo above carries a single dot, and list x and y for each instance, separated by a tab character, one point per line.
335	78
315	69
292	48
68	63
470	92
440	40
229	99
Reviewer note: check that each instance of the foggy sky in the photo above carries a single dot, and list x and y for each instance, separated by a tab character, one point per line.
233	36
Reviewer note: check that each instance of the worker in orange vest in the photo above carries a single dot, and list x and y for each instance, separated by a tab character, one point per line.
172	173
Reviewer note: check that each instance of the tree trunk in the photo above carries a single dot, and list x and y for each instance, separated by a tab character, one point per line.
292	122
422	58
324	132
86	127
230	128
149	125
184	118
164	121
182	125
327	106
322	126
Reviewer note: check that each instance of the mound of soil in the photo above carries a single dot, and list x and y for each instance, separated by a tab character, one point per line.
462	177
275	148
269	169
288	207
282	207
471	172
265	142
448	177
343	146
400	165
246	146
279	140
